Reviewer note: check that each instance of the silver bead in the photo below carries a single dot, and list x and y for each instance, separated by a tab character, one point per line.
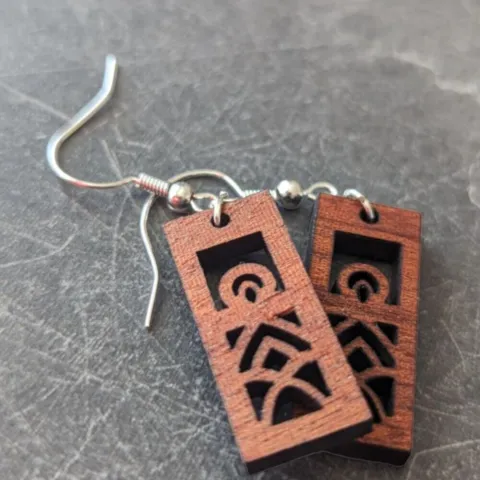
179	196
289	194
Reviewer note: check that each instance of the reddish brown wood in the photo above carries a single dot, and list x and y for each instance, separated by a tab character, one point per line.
366	276
281	372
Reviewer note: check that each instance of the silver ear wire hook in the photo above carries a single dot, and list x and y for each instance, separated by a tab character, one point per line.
151	257
179	194
86	113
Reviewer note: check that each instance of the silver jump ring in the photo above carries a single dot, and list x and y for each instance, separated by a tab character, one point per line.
367	206
202	196
327	186
217	208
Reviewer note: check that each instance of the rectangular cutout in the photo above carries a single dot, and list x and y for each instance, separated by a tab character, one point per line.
352	248
216	261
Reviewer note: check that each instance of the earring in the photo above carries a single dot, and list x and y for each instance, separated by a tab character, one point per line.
285	383
364	263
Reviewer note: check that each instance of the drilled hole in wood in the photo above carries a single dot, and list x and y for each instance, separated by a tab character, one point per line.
367	219
224	221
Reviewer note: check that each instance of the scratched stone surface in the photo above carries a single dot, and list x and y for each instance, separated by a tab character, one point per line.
379	95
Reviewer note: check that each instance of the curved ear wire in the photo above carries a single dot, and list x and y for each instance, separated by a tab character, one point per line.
86	113
151	257
188	175
156	187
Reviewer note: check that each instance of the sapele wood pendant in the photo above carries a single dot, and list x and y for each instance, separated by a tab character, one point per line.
366	276
281	372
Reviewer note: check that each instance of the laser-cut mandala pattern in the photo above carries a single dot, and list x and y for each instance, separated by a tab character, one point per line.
369	347
282	381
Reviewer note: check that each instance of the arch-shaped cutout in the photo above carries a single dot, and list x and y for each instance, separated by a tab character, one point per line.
293	403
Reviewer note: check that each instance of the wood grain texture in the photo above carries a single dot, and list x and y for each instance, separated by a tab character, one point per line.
281	372
366	276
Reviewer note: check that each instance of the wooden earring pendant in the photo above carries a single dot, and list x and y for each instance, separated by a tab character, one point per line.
286	386
365	272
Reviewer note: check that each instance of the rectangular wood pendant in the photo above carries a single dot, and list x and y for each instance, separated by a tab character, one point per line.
281	372
366	276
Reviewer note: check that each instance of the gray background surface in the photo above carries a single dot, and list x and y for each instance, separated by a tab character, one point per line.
379	95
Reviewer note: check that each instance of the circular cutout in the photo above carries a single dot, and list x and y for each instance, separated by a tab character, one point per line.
365	217
224	221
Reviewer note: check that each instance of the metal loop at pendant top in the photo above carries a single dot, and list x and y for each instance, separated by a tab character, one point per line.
327	186
198	197
217	208
367	206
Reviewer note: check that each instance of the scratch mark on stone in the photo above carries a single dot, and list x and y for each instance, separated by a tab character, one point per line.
14	444
90	215
440	449
34	101
58	398
474	183
41	257
439	412
117	133
61	472
42	72
133	143
23	419
458	87
112	158
11	229
114	246
115	164
455	343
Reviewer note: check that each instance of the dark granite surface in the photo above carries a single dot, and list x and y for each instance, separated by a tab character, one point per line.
379	95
